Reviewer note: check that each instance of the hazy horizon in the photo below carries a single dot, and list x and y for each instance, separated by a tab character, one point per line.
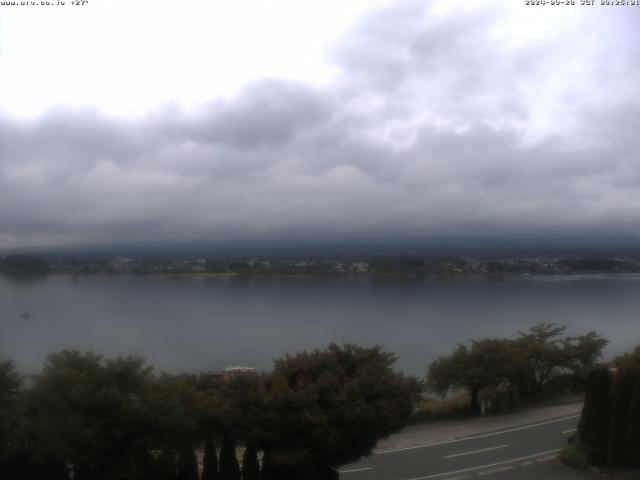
488	246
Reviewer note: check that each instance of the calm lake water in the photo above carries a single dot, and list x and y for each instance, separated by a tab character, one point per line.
197	323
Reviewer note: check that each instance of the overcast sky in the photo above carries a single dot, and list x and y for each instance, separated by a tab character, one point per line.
194	120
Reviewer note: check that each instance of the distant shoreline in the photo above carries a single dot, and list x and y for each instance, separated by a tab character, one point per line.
229	275
403	266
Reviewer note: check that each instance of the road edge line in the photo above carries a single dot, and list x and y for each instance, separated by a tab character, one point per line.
471	469
485	435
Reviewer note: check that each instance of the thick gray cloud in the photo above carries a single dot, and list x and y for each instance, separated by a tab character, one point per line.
436	124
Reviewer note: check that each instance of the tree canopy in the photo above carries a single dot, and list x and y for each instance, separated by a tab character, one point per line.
330	407
629	363
10	384
94	413
609	429
484	364
116	419
526	363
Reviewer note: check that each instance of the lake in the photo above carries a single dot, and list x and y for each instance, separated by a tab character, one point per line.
197	323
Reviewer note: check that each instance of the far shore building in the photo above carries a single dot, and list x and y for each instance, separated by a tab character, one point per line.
231	372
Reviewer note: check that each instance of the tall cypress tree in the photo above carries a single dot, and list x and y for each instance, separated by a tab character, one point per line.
23	465
56	469
267	472
250	464
229	467
632	437
166	465
599	428
145	467
275	471
187	464
618	419
210	460
82	471
587	409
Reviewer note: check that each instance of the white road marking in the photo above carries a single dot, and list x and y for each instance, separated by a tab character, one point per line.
546	459
496	470
393	450
476	451
512	460
355	470
570	430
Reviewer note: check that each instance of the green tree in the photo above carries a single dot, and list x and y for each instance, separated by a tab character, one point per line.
484	364
92	413
629	363
330	407
210	459
268	468
619	412
187	464
547	354
275	471
174	403
229	467
628	366
10	385
584	353
586	418
166	465
527	363
609	429
250	464
597	439
240	407
632	436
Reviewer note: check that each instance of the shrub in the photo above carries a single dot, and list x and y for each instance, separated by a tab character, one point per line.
574	458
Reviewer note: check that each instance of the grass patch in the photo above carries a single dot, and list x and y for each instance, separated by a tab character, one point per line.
455	406
574	458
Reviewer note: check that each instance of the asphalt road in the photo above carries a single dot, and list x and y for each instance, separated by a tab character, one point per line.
484	455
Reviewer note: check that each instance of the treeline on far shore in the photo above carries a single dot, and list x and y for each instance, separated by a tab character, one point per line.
358	265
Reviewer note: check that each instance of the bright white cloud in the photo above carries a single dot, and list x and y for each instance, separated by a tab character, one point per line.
124	55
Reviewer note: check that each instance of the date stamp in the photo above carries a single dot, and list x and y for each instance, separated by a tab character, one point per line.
43	3
583	3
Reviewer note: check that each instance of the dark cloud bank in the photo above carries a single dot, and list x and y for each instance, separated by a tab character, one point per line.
434	130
